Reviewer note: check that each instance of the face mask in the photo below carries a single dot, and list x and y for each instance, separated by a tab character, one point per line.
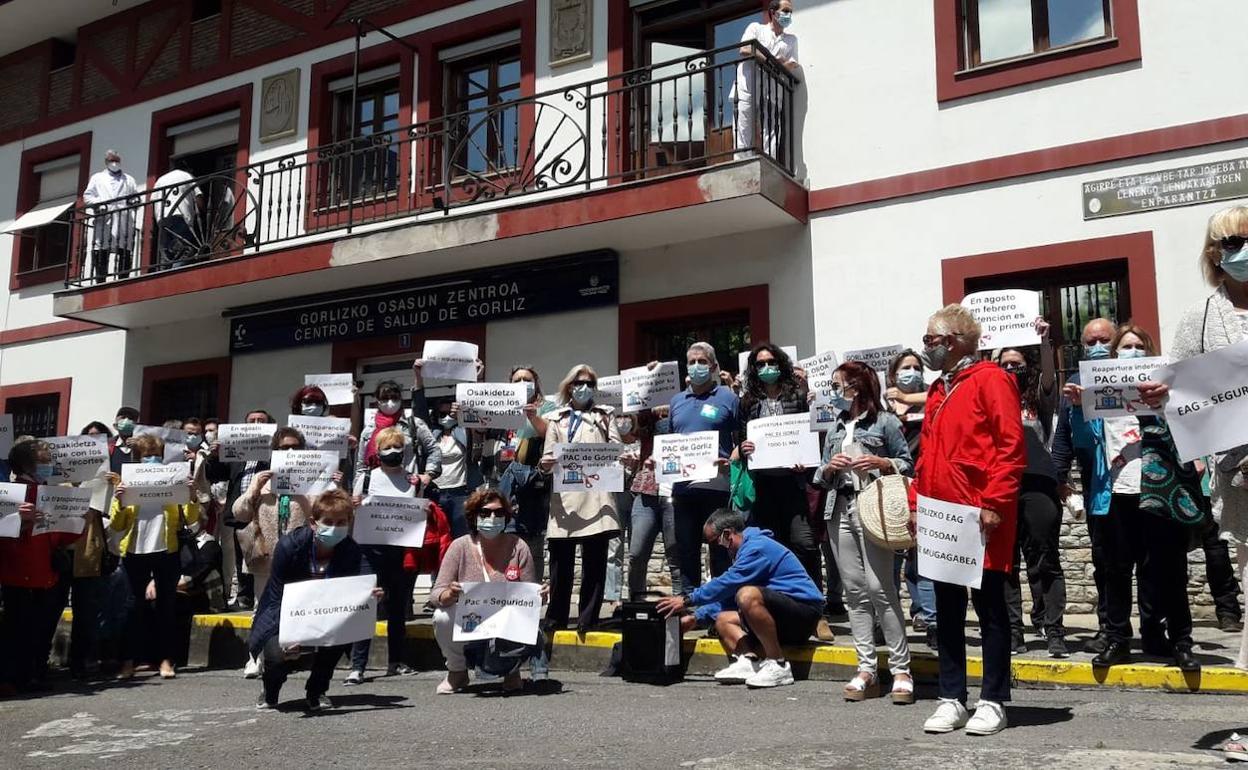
910	380
194	442
45	470
125	426
391	457
785	19
152	460
210	436
1020	377
769	374
582	394
390	407
935	357
113	166
1132	353
491	526
841	403
311	409
330	536
1096	351
699	374
447	423
1235	263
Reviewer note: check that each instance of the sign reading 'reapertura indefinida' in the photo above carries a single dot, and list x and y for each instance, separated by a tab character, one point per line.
1169	188
511	291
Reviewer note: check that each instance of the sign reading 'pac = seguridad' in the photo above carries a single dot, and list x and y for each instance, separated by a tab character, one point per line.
498	610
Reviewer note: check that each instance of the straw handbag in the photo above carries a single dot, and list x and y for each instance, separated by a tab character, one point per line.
884	509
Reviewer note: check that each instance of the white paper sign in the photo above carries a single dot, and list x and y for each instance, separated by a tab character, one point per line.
1109	386
610	392
450	361
175	440
644	388
1207	410
245	442
876	358
1007	317
819	372
686	456
588	468
743	358
6	434
78	458
328	434
339	388
64	509
153	486
329	612
490	405
498	610
384	520
302	471
11	498
782	442
949	542
822	414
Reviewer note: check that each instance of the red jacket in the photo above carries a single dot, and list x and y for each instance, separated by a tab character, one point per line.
437	539
974	451
26	561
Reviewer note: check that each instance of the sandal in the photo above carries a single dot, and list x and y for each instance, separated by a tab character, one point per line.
861	687
1236	749
903	690
449	687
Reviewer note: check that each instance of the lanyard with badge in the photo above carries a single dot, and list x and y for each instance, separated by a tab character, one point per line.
574	424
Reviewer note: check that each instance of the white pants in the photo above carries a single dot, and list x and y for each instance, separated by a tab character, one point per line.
751	113
443	631
1241	560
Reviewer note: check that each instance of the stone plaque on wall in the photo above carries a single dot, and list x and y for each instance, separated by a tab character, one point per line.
1185	186
571	31
279	105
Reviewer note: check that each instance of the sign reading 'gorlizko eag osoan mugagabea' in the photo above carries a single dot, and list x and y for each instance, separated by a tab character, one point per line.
553	285
1168	188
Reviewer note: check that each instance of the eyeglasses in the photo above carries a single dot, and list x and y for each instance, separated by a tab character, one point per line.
932	340
1014	366
1234	242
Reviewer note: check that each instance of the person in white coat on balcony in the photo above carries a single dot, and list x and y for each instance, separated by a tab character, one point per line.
113	223
759	101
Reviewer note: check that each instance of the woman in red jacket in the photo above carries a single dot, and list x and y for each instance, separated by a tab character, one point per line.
28	579
973	454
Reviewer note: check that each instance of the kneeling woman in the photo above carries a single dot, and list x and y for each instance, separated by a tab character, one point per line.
486	553
323	550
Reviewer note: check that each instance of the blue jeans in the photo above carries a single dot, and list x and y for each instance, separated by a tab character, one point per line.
452	503
615	553
922	592
651	513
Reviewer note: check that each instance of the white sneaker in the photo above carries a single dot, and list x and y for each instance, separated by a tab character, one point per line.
354	678
741	668
989	719
771	673
950	715
253	668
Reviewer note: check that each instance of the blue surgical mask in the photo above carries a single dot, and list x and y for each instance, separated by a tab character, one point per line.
769	374
841	403
1132	353
582	395
699	374
1235	264
910	380
491	527
45	471
1096	351
447	423
152	460
330	536
194	442
784	18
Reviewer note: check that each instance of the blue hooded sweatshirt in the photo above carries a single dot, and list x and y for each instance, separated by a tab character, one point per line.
760	562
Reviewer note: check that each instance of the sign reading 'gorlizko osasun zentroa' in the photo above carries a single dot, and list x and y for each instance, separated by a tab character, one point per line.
529	288
1168	188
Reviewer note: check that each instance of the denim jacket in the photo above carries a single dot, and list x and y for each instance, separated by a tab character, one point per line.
881	436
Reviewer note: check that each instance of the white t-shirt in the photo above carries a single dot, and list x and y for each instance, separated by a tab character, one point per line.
782	46
454	463
386	483
182	196
1123	453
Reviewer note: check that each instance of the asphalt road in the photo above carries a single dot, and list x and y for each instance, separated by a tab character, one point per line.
208	719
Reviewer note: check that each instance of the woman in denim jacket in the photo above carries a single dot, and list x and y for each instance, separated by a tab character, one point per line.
865	443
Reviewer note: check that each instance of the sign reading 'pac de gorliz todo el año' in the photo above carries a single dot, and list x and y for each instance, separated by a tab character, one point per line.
512	291
1165	189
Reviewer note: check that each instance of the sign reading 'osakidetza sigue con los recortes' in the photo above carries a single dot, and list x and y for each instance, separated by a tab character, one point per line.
529	288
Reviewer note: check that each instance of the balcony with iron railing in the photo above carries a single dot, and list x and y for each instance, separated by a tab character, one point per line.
684	116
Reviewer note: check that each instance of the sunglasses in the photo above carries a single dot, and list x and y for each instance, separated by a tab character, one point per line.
1233	242
578	383
491	511
1014	367
769	362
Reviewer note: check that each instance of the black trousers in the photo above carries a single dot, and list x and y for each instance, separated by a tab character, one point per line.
780	504
994	626
387	561
277	667
26	633
1155	549
165	569
562	575
690	511
1220	574
1039	527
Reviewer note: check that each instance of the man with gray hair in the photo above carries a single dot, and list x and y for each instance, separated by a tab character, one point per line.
113	223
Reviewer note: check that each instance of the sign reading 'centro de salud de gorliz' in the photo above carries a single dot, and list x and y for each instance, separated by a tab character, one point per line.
553	285
1186	186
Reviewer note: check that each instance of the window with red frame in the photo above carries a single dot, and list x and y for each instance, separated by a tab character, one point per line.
47	245
1001	30
34	415
482	140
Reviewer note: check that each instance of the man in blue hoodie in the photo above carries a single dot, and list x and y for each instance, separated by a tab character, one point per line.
765	600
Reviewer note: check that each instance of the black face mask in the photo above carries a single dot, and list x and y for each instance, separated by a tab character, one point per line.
1020	376
392	459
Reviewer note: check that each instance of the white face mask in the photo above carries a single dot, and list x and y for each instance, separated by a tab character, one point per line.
312	409
390	407
113	166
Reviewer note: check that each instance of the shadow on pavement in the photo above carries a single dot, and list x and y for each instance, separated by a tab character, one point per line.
1037	716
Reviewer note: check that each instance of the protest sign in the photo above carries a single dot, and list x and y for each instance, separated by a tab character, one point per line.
1006	317
588	468
78	458
876	358
822	414
449	361
175	440
1207	410
328	434
6	434
743	358
644	388
783	442
949	542
302	471
1110	386
339	388
498	610
385	520
64	509
686	456
329	612
819	372
11	498
610	392
154	486
245	442
490	405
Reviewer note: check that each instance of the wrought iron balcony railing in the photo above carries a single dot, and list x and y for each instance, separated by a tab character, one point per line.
678	115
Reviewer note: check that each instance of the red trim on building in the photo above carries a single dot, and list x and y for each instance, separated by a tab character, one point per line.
1114	148
220	368
632	315
28	198
1135	248
953	82
61	388
47	331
